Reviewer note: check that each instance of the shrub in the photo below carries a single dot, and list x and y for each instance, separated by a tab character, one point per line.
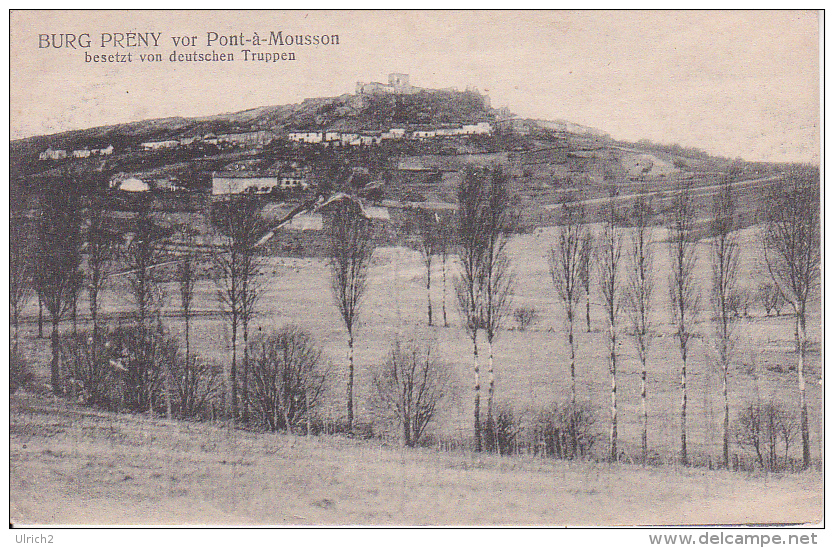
767	429
410	385
196	384
20	374
287	382
525	316
739	302
139	358
566	431
90	376
502	433
771	298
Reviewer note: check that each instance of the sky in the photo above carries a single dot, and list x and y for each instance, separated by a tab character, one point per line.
737	84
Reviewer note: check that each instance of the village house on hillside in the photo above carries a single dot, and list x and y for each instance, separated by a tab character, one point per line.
224	183
50	154
60	154
127	183
247	139
160	145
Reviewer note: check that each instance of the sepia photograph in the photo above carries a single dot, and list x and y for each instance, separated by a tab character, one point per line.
416	269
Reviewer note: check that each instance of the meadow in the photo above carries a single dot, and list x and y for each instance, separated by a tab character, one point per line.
75	465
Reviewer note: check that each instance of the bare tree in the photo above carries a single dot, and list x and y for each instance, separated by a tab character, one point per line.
351	249
585	255
565	265
771	298
792	251
446	244
288	383
497	224
57	277
525	316
683	289
187	274
21	263
410	384
142	256
428	242
195	383
237	264
469	285
725	264
639	297
103	247
40	316
610	246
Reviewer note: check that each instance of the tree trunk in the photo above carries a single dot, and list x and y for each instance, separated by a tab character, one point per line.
307	414
588	309
187	337
56	356
350	382
490	398
94	319
572	361
186	403
445	321
40	317
234	371
166	386
803	404
644	441
726	422
75	315
245	371
684	457
477	392
16	322
428	288
612	340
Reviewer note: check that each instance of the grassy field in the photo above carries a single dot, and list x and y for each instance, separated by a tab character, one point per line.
73	465
250	478
531	366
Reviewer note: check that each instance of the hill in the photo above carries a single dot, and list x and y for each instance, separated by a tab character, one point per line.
547	161
72	465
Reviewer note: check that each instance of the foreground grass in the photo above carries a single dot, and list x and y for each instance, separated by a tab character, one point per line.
72	465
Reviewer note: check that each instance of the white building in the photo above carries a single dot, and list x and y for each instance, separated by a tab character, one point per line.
158	145
369	140
249	138
481	128
226	183
131	184
82	153
350	138
185	141
50	154
306	136
293	182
